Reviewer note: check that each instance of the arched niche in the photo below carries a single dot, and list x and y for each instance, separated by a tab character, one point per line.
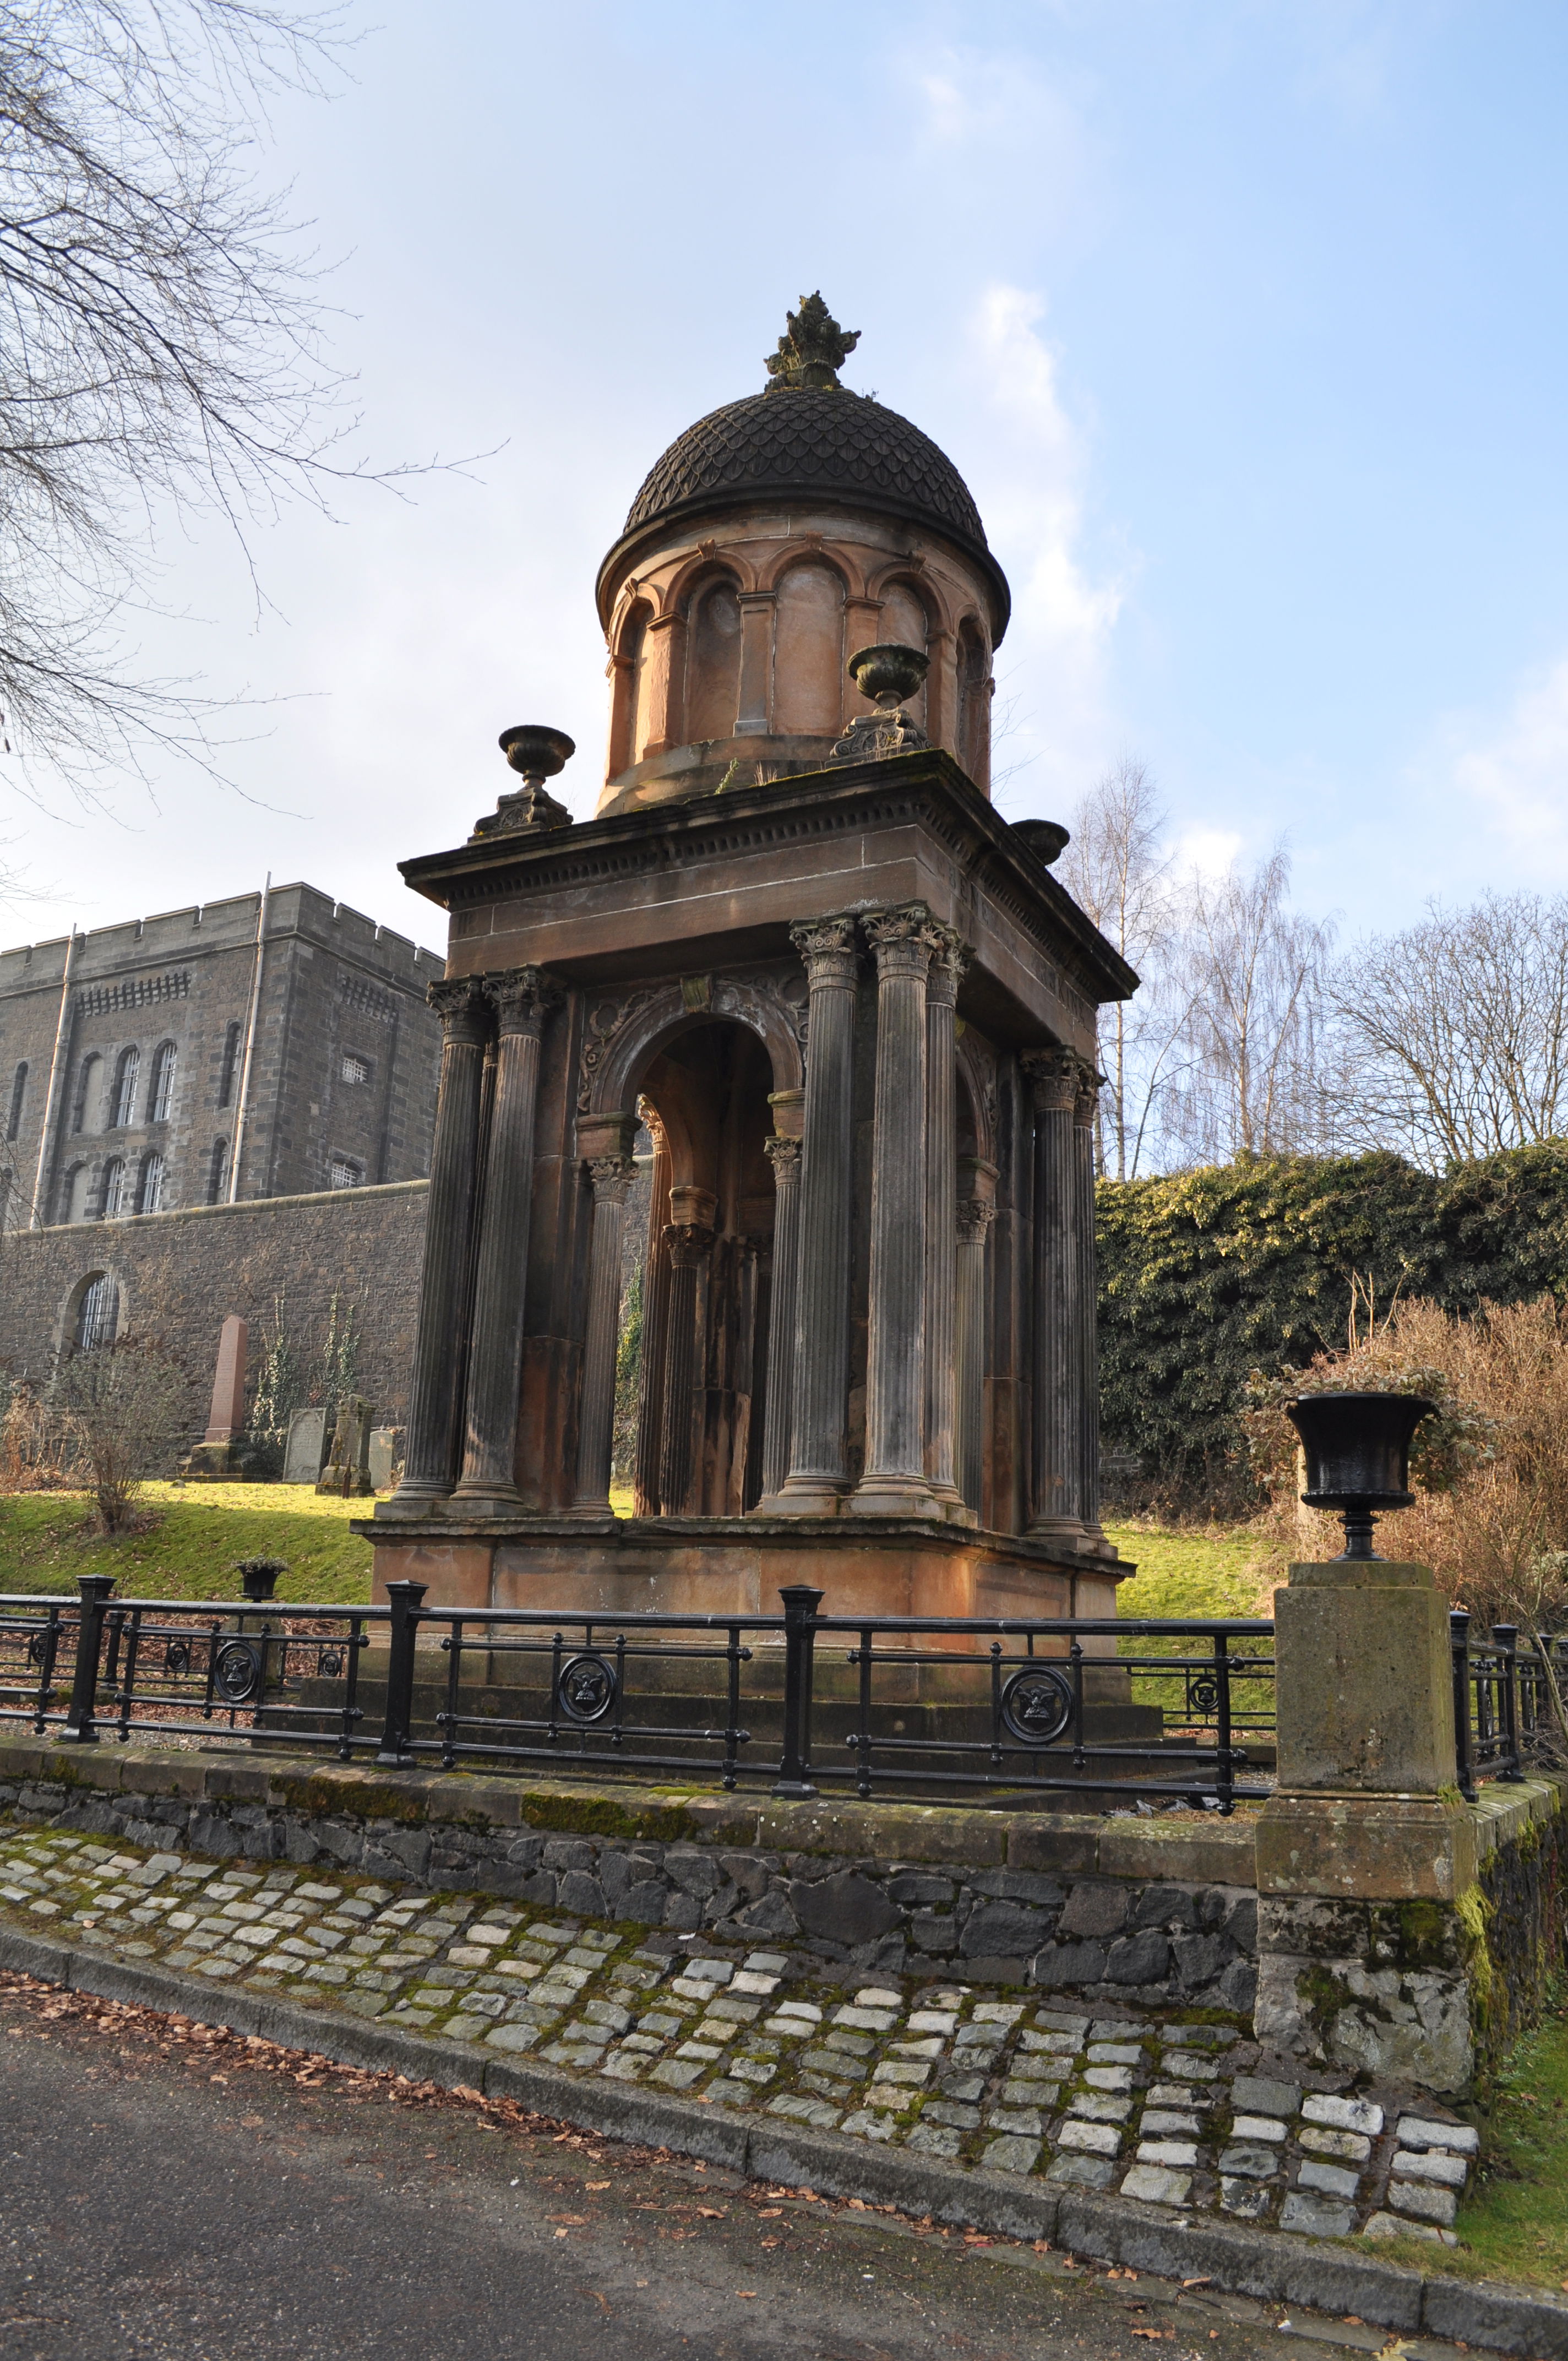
713	659
809	687
974	703
632	694
903	618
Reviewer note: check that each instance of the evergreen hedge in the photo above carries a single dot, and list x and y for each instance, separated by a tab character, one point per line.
1205	1276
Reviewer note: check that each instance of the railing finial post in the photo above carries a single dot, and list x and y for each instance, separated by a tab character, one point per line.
96	1590
800	1606
1459	1638
396	1749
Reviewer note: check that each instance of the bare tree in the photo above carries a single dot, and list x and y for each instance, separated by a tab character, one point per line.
1255	1078
1116	870
159	339
1456	1030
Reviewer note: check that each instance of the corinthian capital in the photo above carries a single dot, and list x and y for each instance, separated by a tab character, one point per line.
521	997
949	957
783	1155
1088	1098
611	1176
1054	1077
459	1002
903	939
826	946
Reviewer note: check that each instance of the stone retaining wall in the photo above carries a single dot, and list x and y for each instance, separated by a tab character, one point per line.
1156	1911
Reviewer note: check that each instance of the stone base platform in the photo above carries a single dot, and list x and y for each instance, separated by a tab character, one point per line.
737	1566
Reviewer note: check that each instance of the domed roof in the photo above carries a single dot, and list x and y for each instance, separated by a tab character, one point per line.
808	437
795	440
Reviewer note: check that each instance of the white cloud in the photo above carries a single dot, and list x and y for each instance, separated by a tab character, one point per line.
1052	668
1206	852
1518	772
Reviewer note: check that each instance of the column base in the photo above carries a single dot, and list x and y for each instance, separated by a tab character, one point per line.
595	1513
485	1500
893	1495
804	1496
413	1501
951	1506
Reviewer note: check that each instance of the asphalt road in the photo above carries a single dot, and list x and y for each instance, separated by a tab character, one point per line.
169	2192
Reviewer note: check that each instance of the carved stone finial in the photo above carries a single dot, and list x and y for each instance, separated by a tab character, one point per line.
538	753
813	351
886	674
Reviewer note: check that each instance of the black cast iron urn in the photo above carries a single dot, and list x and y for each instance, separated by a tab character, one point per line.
1358	1455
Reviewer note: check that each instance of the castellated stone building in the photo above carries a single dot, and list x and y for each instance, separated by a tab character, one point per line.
162	1080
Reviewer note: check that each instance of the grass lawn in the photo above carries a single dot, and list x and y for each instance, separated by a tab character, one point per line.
1514	2225
197	1531
1182	1572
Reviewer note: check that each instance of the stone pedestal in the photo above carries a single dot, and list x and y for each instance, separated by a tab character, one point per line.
1366	1851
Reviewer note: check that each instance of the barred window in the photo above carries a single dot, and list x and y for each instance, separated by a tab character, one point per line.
356	1069
98	1312
345	1173
163	1065
151	1197
114	1188
126	1075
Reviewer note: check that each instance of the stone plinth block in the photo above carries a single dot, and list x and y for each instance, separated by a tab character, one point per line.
1365	1680
1388	1847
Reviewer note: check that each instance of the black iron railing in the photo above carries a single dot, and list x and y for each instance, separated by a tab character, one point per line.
1508	1693
1012	1707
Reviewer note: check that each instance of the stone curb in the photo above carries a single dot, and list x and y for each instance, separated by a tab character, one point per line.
1272	2266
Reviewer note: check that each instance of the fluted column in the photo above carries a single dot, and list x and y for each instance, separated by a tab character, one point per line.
611	1178
690	1239
488	1487
947	962
976	1212
893	1483
818	1464
655	1325
434	1393
783	1155
1054	1075
1088	1359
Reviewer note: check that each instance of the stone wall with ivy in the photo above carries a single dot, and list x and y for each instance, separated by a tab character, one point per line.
1205	1276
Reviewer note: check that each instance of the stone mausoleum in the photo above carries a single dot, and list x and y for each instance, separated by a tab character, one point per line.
856	1013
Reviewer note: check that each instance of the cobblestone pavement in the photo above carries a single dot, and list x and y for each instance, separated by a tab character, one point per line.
1181	2114
175	2192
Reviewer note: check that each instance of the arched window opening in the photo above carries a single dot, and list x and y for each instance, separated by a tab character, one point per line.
809	688
163	1067
344	1172
74	1195
633	691
149	1197
903	619
18	1092
217	1171
114	1188
713	662
89	1083
128	1072
98	1312
694	1306
974	706
231	1061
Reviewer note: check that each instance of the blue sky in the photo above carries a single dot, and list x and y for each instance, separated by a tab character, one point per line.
1245	323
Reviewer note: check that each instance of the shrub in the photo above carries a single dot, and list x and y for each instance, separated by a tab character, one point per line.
125	1405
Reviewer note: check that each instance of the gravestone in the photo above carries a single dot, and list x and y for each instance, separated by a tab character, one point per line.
306	1447
386	1455
348	1470
212	1459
